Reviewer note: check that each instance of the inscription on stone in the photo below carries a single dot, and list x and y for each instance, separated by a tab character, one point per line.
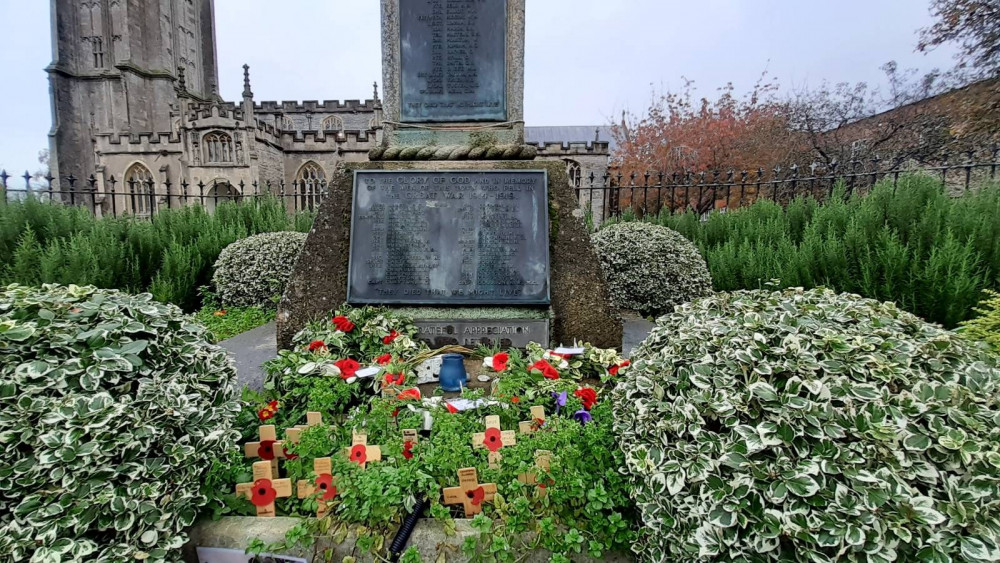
455	237
472	333
453	60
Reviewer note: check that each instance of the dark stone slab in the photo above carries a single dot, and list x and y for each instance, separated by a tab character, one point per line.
579	295
426	237
453	60
506	333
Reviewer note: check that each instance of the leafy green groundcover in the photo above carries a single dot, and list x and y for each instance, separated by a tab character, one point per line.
582	506
114	407
811	426
225	323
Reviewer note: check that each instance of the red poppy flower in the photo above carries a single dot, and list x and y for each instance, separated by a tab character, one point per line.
413	394
266	450
546	368
613	370
477	495
500	361
317	345
288	455
515	399
325	484
359	454
348	367
384	359
263	494
343	323
392	336
394	379
408	450
492	439
587	396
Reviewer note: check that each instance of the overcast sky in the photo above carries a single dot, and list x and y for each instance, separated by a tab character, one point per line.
587	60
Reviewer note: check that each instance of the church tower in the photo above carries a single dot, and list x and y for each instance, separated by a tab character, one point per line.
117	67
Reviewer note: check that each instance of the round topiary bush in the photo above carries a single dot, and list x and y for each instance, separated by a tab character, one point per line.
114	407
251	271
811	426
650	268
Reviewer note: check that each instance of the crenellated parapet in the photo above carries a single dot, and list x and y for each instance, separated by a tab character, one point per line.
594	148
215	111
109	143
330	141
315	106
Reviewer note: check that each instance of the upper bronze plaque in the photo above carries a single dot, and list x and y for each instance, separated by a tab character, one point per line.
458	238
453	60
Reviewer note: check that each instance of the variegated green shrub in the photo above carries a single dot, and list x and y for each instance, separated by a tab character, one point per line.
114	407
252	271
650	268
811	426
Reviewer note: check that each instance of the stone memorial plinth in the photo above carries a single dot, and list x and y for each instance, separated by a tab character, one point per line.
578	308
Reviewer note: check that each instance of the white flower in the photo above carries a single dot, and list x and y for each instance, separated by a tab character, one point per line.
560	362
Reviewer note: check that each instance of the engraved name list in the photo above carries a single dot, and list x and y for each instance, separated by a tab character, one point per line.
470	237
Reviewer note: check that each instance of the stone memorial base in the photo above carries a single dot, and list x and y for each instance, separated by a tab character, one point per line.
580	308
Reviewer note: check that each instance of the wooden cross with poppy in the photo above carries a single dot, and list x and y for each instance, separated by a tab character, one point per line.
469	493
493	439
324	484
361	453
264	490
543	459
536	422
267	448
409	442
292	435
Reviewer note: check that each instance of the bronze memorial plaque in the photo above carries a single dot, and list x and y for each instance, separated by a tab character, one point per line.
471	237
453	65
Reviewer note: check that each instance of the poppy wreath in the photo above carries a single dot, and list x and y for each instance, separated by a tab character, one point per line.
477	495
359	454
324	483
548	372
263	493
343	324
492	439
266	450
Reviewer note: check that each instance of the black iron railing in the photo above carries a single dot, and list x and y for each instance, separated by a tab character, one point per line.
602	197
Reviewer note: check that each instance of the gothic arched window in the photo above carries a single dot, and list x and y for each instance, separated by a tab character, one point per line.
310	183
333	123
139	190
218	147
574	172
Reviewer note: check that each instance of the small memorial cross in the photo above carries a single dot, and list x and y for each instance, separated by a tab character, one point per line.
292	435
323	483
543	459
536	422
267	448
493	439
409	442
361	453
264	490
469	492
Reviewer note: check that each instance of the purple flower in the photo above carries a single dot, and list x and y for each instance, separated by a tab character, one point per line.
560	400
583	417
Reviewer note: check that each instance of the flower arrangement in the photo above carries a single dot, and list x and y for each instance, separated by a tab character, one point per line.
586	499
